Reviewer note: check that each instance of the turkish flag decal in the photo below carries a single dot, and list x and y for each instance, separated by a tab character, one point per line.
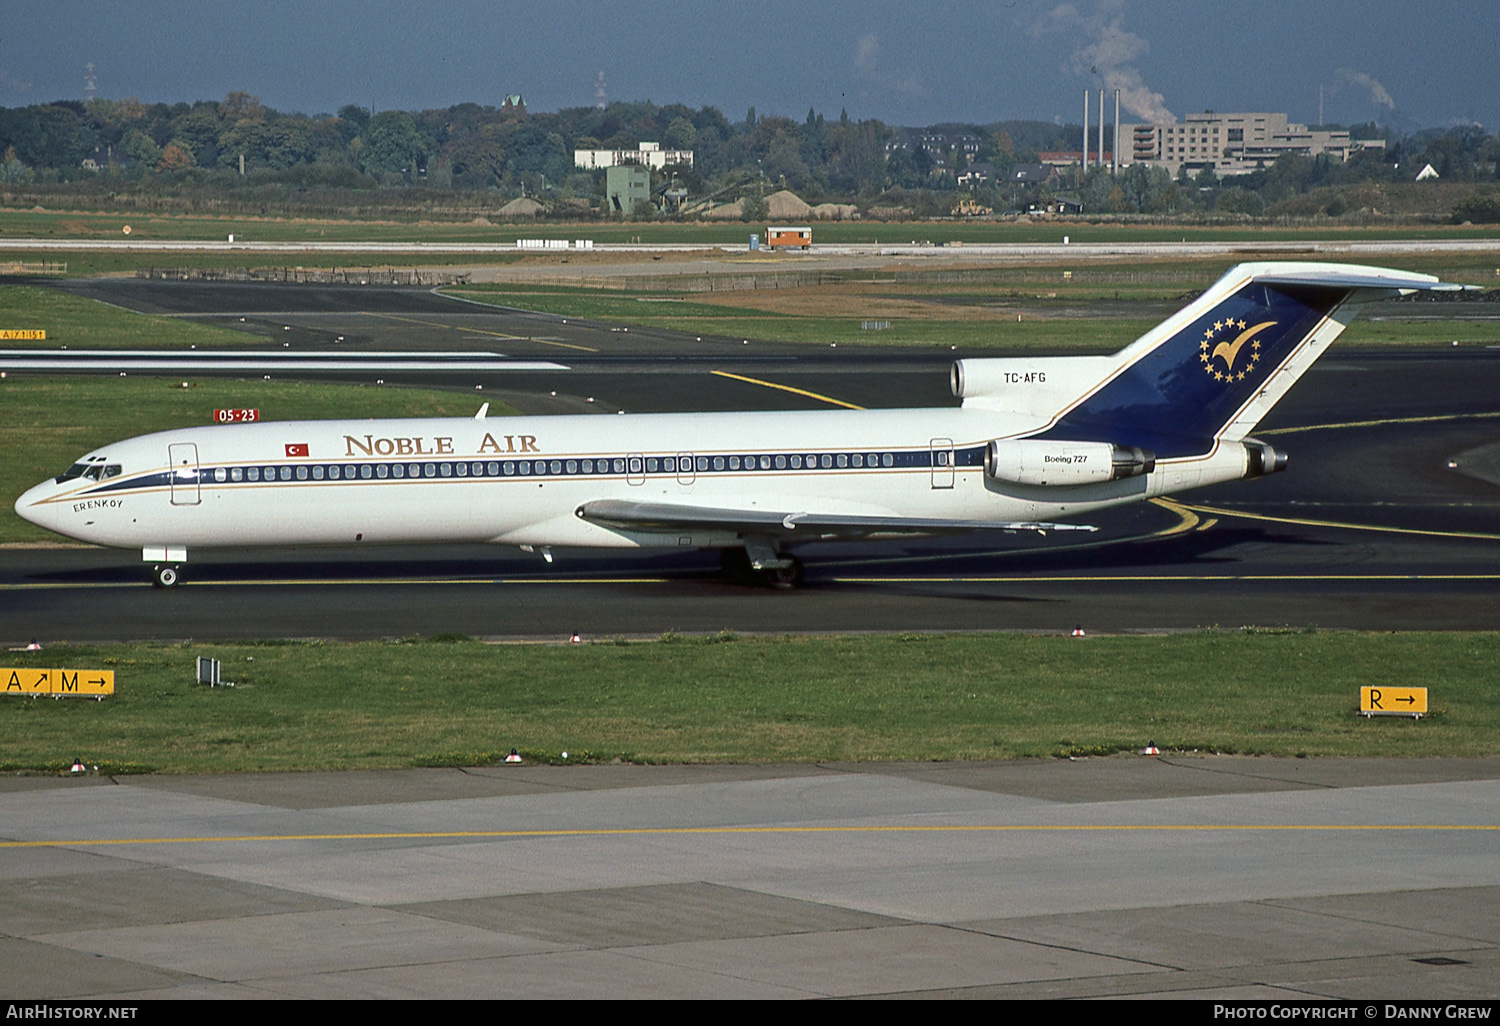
296	449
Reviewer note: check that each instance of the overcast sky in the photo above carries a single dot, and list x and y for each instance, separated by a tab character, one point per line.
913	62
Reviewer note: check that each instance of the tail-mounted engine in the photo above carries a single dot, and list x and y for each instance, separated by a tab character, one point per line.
1035	461
1261	459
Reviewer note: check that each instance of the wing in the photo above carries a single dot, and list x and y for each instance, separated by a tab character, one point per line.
661	516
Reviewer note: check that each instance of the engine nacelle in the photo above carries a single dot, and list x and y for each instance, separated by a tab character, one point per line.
1261	459
1037	461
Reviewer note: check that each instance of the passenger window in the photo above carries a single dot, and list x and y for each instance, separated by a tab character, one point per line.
236	473
220	474
301	473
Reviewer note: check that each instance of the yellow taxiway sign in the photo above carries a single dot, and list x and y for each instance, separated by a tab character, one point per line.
1392	701
57	683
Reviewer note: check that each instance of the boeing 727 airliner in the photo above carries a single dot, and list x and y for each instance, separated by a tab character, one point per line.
1037	438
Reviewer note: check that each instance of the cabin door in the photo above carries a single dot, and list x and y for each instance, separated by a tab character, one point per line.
183	456
942	462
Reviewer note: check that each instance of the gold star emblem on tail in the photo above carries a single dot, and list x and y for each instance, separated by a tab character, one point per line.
1218	345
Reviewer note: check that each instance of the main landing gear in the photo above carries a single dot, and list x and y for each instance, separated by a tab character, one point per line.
164	575
768	569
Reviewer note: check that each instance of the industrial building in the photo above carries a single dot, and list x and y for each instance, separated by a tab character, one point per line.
650	154
624	187
1231	144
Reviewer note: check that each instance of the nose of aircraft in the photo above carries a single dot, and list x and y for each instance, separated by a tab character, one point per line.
32	508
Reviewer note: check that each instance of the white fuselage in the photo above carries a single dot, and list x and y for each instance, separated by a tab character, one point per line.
520	480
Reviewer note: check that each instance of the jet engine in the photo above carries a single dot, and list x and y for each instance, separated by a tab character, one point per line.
1261	459
1037	461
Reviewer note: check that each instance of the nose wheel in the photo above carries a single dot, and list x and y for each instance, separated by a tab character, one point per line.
164	575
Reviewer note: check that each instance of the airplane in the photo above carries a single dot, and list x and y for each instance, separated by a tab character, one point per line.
1036	438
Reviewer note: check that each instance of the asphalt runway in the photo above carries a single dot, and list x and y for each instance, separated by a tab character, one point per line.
1219	879
1369	528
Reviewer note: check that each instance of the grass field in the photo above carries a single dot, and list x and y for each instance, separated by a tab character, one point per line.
1097	309
728	699
53	224
79	323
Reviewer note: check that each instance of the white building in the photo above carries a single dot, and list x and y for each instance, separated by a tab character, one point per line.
1232	144
650	154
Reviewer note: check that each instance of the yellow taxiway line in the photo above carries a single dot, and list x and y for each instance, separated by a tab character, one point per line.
789	388
1308	522
1435	418
1005	828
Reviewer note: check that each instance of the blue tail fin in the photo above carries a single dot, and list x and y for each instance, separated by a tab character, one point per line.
1210	368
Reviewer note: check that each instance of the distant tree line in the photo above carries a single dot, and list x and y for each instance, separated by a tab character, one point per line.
238	142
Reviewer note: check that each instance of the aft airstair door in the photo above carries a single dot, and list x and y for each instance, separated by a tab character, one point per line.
183	457
942	463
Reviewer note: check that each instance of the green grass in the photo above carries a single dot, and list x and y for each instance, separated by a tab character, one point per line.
1051	323
90	263
728	699
194	227
80	323
47	422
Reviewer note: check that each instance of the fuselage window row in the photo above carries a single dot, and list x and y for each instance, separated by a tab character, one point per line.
632	465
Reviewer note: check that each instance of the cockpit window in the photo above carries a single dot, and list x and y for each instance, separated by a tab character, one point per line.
92	469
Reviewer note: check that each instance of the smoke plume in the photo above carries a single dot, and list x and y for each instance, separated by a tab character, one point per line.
1109	53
